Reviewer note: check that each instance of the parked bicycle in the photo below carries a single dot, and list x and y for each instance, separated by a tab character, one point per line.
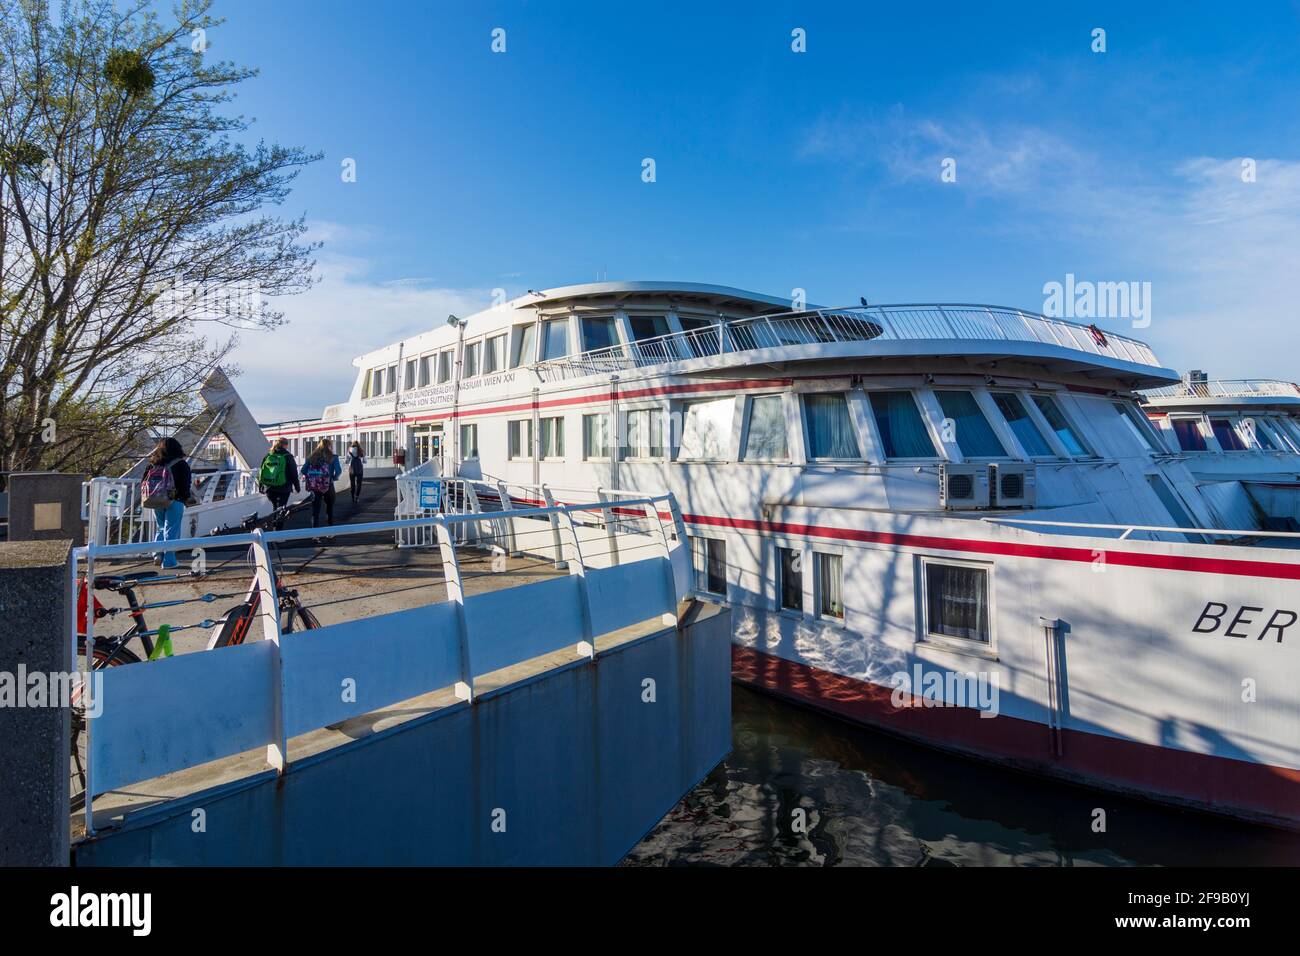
231	629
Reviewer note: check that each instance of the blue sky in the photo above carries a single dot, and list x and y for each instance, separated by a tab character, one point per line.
774	169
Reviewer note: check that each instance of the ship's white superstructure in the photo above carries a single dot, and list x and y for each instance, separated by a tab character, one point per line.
952	521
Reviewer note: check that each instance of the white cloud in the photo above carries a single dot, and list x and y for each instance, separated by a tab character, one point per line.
306	364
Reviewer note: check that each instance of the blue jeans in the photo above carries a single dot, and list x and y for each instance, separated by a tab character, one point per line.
168	522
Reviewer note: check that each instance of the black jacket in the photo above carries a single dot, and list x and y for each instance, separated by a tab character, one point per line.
181	477
290	470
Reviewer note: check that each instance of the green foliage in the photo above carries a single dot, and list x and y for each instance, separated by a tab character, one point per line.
129	71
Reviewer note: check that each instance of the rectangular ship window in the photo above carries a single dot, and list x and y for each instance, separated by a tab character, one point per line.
710	560
956	601
789	579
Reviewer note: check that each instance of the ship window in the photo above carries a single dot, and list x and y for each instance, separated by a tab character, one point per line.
469	441
902	430
644	428
709	556
1258	431
523	347
1022	426
956	601
494	354
830	586
1188	433
555	338
392	379
377	382
765	437
521	438
551	436
830	427
424	369
1228	438
1138	424
1279	434
1057	422
789	578
701	335
648	326
975	436
444	366
408	378
598	333
595	437
706	429
469	365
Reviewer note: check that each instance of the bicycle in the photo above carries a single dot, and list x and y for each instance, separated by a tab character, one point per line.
230	630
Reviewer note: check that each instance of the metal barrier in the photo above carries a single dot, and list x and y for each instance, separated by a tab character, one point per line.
160	717
114	513
825	326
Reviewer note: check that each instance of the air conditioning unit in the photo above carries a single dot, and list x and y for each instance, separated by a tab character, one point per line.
963	486
1013	484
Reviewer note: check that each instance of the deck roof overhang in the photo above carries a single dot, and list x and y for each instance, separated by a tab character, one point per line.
616	294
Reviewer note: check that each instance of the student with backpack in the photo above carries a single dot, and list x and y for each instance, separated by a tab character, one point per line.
356	470
166	490
278	474
319	473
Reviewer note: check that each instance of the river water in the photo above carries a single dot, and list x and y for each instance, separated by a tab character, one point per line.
804	789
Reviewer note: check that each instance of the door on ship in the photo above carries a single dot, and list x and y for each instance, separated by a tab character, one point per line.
426	444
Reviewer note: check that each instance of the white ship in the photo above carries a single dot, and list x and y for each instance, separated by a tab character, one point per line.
954	522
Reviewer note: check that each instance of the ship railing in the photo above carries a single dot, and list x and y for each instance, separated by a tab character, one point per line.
1227	388
956	322
114	511
147	720
1126	530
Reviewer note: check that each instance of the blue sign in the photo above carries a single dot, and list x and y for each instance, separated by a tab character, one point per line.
430	495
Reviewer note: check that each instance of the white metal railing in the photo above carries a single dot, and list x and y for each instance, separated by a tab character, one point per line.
1128	529
159	717
114	512
1227	388
824	326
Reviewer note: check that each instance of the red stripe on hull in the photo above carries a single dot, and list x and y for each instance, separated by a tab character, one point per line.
1257	792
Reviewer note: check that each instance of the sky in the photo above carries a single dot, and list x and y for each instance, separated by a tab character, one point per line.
1171	157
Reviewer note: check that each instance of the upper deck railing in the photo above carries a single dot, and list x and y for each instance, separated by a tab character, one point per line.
827	326
1228	388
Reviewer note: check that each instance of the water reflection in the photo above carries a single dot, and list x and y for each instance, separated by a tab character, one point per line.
871	800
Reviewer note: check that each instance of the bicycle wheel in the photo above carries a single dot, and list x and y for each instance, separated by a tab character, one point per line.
299	618
104	654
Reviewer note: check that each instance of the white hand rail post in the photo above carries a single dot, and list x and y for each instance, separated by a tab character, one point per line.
549	499
611	532
586	646
277	751
456	595
504	495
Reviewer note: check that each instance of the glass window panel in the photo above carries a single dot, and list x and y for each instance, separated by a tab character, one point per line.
470	364
1188	433
598	332
377	382
555	338
830	427
1134	420
957	601
523	346
830	572
552	437
595	436
710	560
521	438
494	354
409	379
444	366
424	370
706	429
975	436
790	579
469	441
1228	438
902	430
1022	426
765	439
391	381
648	326
1056	421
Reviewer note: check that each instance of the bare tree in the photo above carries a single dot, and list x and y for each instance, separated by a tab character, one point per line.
133	236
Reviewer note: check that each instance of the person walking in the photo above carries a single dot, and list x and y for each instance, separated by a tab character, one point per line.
319	472
356	470
166	490
278	474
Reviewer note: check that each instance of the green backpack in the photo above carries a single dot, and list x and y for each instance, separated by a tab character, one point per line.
271	474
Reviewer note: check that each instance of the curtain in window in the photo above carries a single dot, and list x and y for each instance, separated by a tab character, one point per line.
469	441
901	427
975	436
555	338
471	360
1056	419
766	438
830	429
523	354
830	571
790	563
706	432
595	436
958	603
444	367
494	354
1026	432
552	437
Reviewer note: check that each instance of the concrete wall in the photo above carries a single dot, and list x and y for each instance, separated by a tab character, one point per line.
34	740
45	506
574	762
